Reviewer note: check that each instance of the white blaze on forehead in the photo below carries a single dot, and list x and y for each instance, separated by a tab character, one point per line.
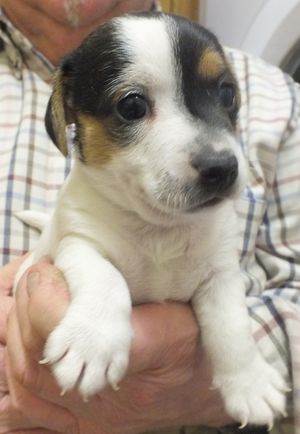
149	44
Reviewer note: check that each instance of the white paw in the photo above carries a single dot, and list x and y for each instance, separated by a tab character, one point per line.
88	354
255	395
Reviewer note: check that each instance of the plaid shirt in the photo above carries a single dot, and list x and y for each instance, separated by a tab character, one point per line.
32	171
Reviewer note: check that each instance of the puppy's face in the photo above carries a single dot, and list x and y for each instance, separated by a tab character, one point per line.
155	104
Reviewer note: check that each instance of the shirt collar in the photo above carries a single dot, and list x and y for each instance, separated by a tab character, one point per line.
20	51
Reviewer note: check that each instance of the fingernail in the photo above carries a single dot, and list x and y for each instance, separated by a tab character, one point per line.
33	281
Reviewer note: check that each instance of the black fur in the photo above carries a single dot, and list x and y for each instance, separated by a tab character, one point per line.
49	123
200	94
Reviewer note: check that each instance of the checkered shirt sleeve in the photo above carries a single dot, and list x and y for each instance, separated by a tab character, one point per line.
269	211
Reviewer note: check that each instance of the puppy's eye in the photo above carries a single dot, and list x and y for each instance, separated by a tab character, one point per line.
132	107
227	95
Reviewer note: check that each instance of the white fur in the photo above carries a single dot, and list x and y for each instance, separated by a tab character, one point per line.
34	218
117	243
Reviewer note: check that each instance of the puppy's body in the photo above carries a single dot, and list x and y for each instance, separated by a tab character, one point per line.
160	261
147	213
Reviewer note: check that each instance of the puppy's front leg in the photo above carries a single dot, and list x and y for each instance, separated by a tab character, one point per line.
253	391
90	347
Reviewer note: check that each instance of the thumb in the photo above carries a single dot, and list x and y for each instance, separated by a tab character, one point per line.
48	298
5	306
7	275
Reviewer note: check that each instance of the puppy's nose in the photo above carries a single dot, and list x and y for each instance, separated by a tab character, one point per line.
218	171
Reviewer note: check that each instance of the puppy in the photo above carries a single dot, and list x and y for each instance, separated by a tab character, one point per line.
147	212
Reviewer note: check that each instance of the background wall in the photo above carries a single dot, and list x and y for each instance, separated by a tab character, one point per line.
266	28
188	8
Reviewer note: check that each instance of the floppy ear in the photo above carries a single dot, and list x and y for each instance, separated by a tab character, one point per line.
55	119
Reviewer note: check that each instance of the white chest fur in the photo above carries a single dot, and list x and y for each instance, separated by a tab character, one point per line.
167	262
160	264
163	265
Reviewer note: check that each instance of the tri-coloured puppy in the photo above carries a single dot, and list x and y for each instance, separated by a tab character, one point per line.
147	212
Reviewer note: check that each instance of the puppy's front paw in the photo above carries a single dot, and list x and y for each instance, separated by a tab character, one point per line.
89	353
255	395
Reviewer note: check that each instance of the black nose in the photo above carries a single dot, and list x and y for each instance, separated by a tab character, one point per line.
218	171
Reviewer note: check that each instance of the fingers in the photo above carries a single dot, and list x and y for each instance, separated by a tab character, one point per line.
49	299
36	412
20	367
14	421
5	306
24	370
7	274
3	382
11	418
25	409
42	299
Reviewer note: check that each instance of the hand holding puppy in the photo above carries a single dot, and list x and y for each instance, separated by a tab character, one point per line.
168	379
20	409
33	413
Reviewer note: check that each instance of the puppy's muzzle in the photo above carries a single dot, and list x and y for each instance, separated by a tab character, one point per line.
218	172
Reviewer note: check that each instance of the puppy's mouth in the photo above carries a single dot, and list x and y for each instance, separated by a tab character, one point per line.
190	198
177	203
172	198
175	196
206	204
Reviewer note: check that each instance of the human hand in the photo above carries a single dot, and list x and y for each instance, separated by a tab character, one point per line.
56	27
6	279
12	418
169	378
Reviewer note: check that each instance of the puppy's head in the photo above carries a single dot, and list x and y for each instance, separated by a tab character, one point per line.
154	103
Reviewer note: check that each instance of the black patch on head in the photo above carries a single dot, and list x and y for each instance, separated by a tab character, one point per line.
91	68
201	94
90	73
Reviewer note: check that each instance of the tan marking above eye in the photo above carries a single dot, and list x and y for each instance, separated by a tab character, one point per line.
211	64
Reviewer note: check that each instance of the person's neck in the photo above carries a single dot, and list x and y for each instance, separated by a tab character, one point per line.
52	37
56	27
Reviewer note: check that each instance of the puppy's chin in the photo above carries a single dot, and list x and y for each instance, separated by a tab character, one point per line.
170	213
153	212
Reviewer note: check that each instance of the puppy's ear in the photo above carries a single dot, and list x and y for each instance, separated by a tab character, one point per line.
55	119
48	122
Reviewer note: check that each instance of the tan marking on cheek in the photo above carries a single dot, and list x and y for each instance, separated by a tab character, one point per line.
98	148
211	64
